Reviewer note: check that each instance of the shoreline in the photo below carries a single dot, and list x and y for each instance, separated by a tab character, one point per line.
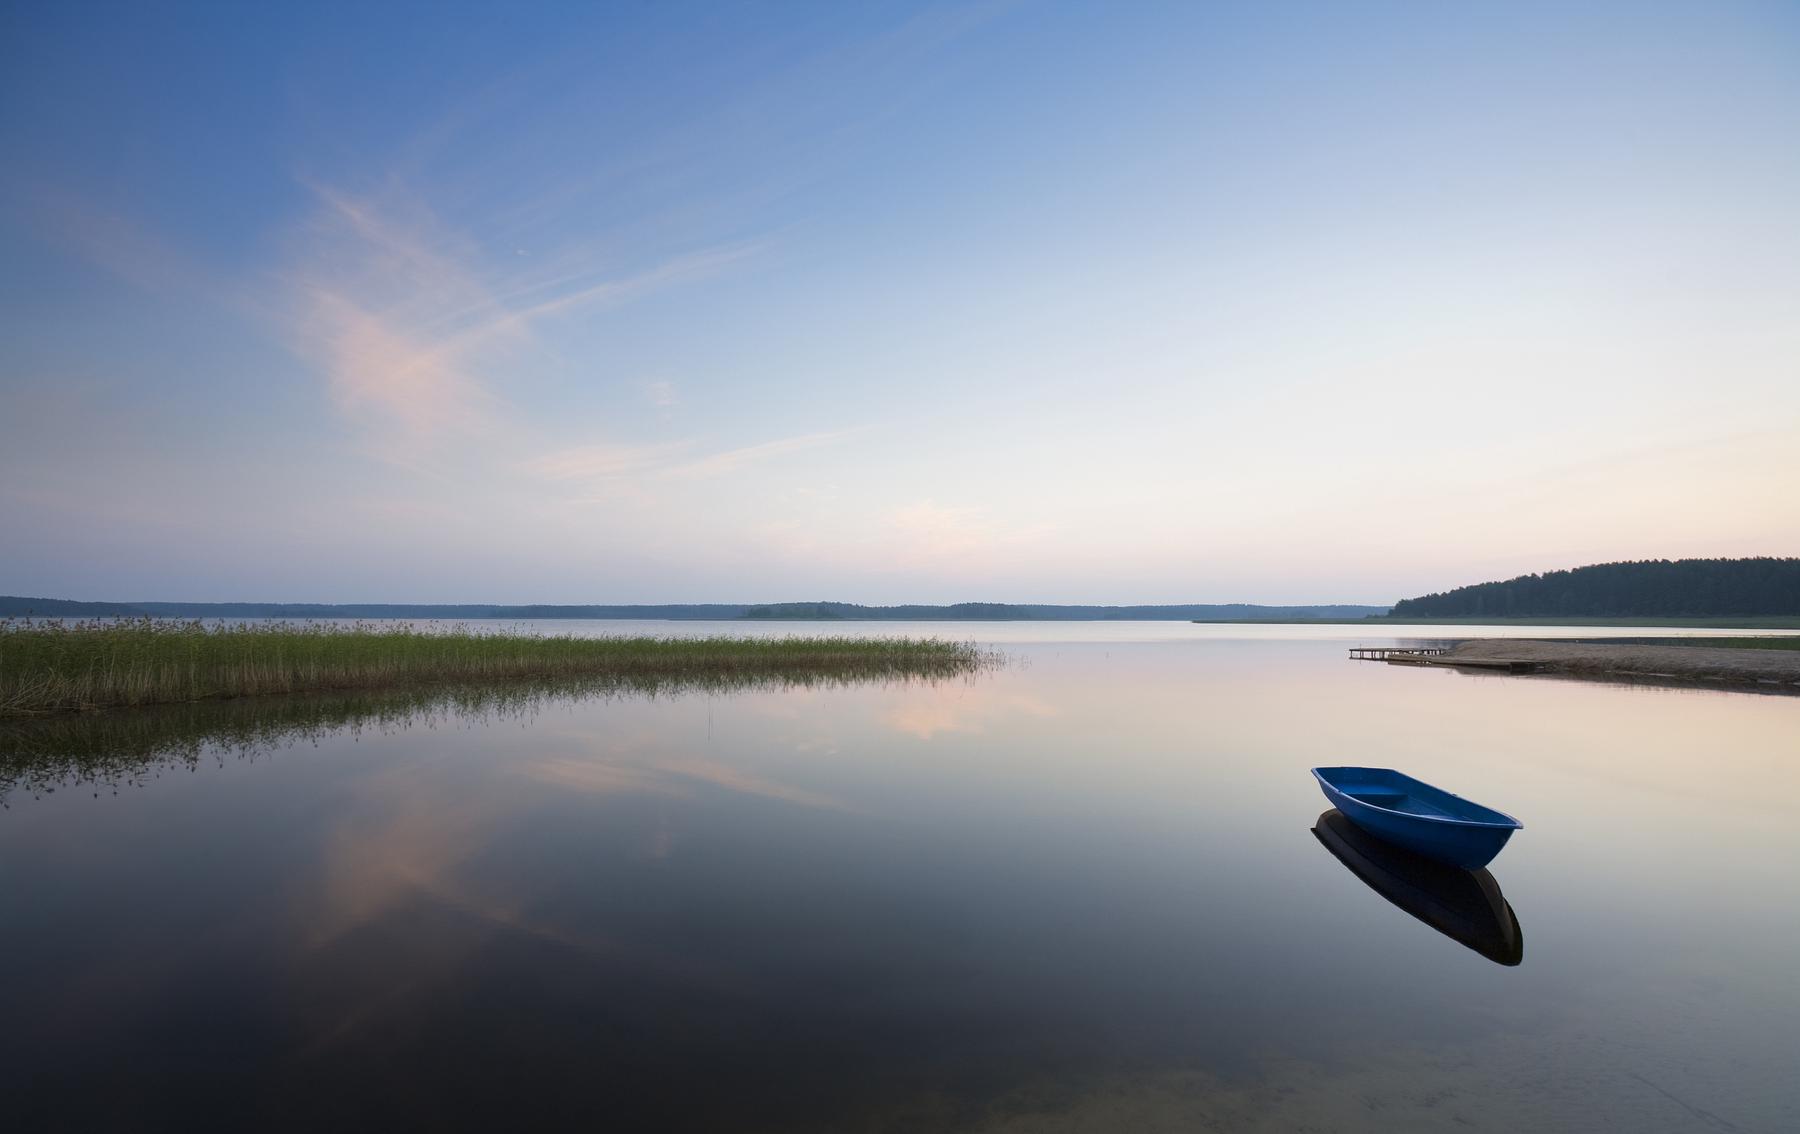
1721	622
1715	666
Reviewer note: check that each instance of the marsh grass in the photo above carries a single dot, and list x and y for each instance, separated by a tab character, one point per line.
51	667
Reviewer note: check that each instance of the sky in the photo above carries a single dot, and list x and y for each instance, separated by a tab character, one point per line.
1029	302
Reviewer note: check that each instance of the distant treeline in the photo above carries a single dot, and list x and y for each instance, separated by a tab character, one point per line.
1006	611
16	607
1651	588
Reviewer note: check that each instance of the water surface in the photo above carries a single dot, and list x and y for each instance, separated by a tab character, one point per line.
1078	893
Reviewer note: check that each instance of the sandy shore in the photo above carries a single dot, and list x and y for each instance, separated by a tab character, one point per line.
1778	668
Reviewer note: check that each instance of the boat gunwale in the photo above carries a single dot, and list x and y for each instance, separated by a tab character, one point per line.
1510	823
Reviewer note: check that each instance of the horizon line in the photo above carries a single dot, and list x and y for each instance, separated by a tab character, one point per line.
708	602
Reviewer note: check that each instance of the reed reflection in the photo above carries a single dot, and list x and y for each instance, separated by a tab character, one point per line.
1464	905
116	748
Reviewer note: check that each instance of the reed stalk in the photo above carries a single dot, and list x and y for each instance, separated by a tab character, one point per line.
50	667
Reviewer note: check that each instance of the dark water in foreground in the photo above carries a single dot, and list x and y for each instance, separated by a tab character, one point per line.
1081	893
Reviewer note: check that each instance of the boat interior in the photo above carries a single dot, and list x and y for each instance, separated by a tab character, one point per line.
1394	791
1396	800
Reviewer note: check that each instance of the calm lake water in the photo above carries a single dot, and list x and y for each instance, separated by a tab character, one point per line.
1081	892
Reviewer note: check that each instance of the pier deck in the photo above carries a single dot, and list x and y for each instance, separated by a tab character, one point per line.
1439	656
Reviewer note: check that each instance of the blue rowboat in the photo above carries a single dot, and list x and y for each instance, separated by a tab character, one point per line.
1410	813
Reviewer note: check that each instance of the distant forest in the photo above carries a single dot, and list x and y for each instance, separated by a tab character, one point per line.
1016	612
17	607
1650	588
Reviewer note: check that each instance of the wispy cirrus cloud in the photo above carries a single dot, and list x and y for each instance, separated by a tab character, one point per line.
121	245
926	532
385	375
733	460
411	323
606	461
673	460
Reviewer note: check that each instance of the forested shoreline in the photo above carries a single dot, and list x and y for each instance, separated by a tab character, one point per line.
1651	588
16	606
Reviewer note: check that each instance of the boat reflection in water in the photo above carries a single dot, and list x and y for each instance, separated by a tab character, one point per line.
1465	905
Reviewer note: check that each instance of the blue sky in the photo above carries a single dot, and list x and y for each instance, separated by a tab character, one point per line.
1018	301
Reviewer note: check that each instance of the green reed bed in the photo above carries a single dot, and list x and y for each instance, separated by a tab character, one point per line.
48	667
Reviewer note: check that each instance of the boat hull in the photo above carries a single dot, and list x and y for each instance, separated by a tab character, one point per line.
1469	841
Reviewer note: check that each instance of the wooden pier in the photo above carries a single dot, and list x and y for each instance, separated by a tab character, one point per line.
1397	653
1440	656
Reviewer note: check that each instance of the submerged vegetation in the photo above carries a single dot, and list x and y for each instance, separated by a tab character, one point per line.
51	667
